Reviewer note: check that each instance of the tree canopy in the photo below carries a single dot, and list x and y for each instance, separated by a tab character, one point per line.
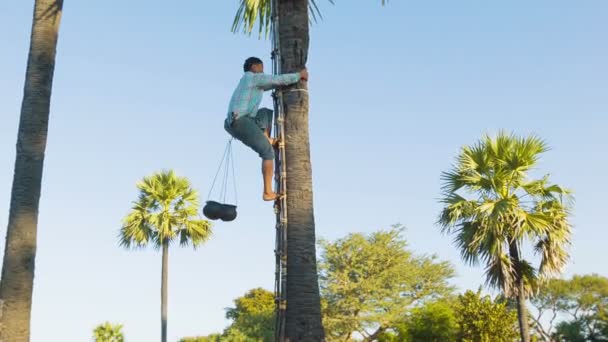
370	282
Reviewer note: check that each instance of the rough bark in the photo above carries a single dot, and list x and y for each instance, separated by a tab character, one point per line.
522	310
303	322
17	282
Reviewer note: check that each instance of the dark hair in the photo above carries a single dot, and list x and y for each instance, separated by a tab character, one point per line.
249	62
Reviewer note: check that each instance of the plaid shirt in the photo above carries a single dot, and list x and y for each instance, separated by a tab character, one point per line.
248	94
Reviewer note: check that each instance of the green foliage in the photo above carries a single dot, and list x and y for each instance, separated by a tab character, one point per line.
469	318
369	283
108	332
481	319
431	322
492	208
570	332
210	338
233	334
252	319
166	210
251	11
584	299
253	314
230	335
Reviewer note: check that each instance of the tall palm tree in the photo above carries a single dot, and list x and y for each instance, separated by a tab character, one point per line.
107	332
494	210
20	250
166	210
304	309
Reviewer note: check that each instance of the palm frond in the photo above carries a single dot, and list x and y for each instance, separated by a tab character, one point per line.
250	12
530	277
500	273
167	208
489	203
554	255
195	232
458	209
465	241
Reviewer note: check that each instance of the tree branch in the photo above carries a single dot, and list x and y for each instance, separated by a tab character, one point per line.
539	328
375	334
552	319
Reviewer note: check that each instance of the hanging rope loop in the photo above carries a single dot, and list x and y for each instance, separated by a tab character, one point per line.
226	168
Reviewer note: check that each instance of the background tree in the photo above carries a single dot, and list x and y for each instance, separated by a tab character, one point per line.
369	283
582	299
252	319
108	332
232	334
481	319
551	299
18	264
432	322
210	338
494	210
166	210
569	331
253	314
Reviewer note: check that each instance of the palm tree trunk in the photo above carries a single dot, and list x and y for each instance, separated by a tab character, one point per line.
20	250
163	291
522	310
303	321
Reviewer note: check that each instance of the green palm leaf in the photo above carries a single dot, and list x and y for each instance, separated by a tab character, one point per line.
250	12
491	205
167	209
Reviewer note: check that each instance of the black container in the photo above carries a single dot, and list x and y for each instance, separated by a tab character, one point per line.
228	212
214	210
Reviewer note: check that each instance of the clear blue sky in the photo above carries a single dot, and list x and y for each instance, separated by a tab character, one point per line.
395	91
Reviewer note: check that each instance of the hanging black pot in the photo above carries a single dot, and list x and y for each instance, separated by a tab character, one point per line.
228	212
213	210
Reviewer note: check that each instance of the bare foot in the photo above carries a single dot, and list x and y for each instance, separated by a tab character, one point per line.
270	196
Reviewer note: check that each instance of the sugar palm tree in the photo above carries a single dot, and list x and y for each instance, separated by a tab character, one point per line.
107	332
20	250
166	210
494	210
304	309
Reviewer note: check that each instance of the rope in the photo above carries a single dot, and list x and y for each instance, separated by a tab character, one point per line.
227	162
236	195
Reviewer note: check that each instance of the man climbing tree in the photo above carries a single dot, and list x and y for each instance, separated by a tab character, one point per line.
251	125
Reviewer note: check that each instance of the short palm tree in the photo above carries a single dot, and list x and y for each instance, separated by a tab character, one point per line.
107	332
494	210
166	210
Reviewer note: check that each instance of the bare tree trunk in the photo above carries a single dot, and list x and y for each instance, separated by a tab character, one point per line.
303	321
20	250
163	291
522	310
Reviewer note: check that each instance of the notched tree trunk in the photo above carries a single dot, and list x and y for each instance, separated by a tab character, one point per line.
303	299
